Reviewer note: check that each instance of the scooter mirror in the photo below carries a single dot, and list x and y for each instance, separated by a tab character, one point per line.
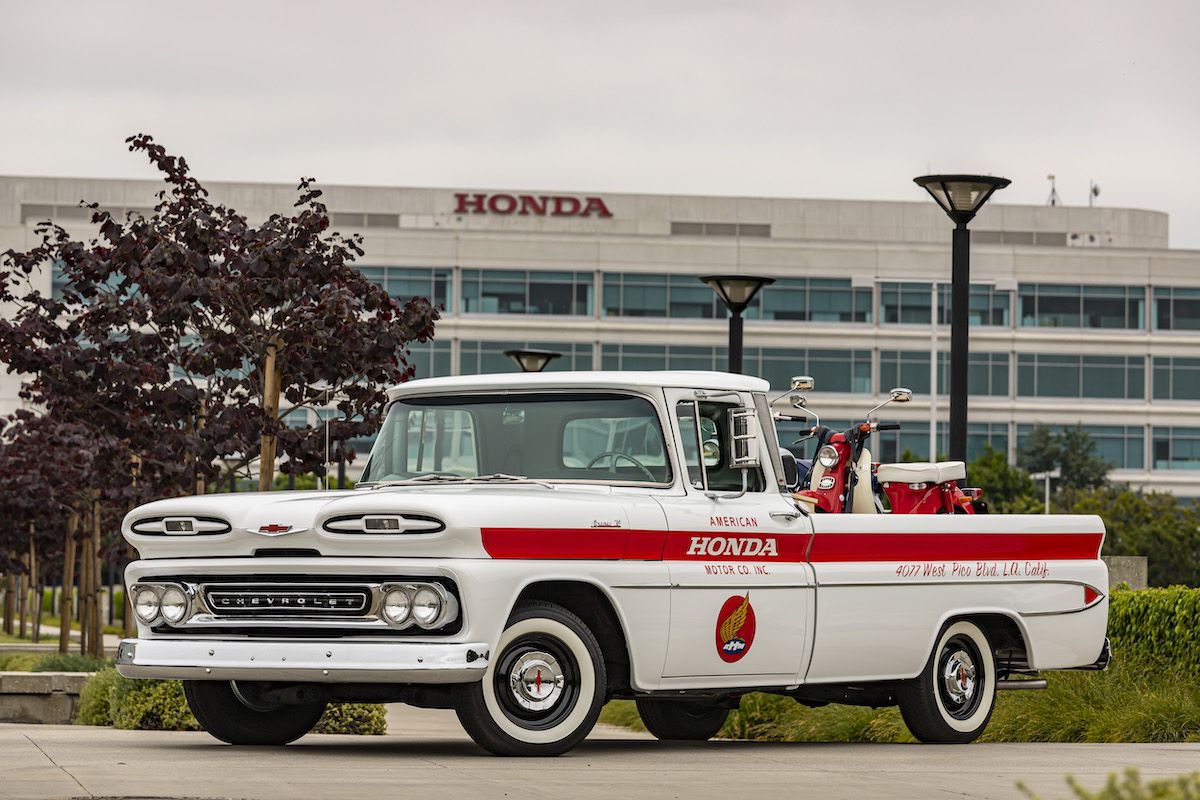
798	401
901	395
802	383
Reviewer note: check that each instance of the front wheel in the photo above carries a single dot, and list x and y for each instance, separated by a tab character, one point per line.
680	720
543	688
951	701
233	712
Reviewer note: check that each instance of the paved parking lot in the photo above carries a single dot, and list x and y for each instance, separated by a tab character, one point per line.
426	755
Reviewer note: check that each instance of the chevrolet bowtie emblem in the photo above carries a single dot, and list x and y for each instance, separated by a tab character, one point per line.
275	530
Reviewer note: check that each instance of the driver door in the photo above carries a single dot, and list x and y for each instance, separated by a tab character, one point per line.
742	591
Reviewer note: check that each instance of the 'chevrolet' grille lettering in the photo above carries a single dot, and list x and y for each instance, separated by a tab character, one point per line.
247	601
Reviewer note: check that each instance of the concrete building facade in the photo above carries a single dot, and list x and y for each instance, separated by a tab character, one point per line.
1079	315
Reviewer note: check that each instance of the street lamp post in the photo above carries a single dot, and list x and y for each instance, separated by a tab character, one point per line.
736	292
532	360
1046	476
961	197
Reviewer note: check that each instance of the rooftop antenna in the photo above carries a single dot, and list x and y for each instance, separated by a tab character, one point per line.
1054	198
1093	193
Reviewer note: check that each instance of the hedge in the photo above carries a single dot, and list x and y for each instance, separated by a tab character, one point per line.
1151	626
152	705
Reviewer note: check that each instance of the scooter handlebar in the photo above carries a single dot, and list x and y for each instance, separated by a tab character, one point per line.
888	426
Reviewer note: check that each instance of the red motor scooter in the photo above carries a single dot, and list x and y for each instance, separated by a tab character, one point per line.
844	480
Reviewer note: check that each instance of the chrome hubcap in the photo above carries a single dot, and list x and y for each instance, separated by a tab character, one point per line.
536	680
958	676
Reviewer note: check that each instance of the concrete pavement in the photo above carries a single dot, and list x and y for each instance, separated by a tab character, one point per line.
426	754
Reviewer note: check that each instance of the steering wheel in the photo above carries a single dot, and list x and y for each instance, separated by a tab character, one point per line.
616	456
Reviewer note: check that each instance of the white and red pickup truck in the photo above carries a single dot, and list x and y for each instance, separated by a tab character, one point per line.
522	548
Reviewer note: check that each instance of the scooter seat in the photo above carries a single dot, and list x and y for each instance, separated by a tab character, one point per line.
922	472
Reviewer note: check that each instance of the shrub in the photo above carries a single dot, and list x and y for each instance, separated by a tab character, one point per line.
1131	787
95	698
151	705
71	662
364	719
19	662
1157	626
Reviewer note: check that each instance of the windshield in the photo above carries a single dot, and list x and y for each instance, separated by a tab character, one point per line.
590	437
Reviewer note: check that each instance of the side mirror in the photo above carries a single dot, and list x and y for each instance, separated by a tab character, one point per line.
743	439
802	383
798	401
901	395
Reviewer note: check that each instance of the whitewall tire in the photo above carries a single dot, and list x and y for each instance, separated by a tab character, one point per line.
543	688
951	701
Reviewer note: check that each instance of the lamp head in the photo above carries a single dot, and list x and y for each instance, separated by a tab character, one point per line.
961	196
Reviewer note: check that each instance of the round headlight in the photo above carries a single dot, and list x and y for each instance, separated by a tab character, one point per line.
397	606
174	605
827	457
427	606
146	604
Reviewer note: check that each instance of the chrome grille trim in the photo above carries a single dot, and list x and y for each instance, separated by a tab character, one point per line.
242	600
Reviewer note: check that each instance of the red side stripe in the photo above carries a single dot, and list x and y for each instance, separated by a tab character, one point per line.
650	545
851	547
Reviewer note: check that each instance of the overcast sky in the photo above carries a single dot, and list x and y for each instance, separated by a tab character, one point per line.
799	99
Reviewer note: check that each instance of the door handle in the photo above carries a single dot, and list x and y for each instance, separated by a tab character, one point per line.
788	515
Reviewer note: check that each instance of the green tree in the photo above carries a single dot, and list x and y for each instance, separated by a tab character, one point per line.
1072	450
1006	489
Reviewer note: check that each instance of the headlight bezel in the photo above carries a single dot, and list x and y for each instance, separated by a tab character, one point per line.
827	457
447	605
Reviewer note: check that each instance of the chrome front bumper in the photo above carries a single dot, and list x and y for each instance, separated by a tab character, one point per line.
303	661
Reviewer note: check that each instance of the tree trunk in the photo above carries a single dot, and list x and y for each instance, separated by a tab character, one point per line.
10	601
97	580
39	591
86	597
22	600
201	484
271	387
66	599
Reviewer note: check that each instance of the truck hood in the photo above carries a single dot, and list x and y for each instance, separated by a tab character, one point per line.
294	523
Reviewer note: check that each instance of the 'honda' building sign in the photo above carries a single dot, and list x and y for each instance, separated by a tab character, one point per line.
530	205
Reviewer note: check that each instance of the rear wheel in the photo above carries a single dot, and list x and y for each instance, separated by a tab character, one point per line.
951	700
681	720
542	691
233	712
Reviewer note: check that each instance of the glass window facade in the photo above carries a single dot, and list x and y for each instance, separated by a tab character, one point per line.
1176	448
833	370
481	358
526	292
912	441
812	300
1112	377
430	359
905	303
1055	305
987	374
405	282
988	306
1123	446
1176	378
653	295
1176	309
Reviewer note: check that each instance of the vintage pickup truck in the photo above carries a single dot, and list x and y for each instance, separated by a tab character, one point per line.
522	548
